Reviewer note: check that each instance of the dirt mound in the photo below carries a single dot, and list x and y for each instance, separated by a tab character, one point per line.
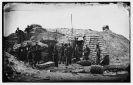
117	46
43	34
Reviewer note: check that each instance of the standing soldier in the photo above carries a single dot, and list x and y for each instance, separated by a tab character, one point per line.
30	55
20	35
19	52
69	55
77	53
28	30
98	54
50	51
55	56
65	54
86	53
37	52
62	54
22	53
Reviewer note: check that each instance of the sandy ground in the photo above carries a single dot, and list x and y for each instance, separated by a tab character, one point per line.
61	73
73	73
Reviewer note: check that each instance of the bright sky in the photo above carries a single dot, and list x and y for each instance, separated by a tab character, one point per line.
59	16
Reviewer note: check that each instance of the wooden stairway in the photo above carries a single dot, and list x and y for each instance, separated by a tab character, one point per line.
91	40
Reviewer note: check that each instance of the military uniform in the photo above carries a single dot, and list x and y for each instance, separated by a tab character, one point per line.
86	53
77	53
98	55
37	57
55	55
30	55
62	54
20	35
69	55
50	51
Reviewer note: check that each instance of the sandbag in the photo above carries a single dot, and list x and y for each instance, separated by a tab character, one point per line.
115	68
84	63
96	69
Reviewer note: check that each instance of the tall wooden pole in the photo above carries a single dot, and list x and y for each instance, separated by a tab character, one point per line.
71	24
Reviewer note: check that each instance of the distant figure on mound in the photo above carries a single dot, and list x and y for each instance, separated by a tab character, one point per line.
105	27
28	30
20	35
98	51
55	56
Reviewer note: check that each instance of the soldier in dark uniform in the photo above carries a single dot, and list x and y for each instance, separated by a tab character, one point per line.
37	52
27	52
50	51
19	53
65	54
105	61
20	35
98	51
62	53
86	53
23	53
55	56
69	55
28	30
30	55
77	53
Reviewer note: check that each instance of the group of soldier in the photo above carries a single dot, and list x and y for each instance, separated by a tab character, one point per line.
31	54
66	54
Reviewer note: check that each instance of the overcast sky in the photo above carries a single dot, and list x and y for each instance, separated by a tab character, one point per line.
85	16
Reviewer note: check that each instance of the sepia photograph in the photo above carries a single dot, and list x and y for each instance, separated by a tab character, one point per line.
66	42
